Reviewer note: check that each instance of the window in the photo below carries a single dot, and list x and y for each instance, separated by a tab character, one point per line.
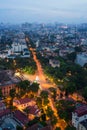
77	119
85	116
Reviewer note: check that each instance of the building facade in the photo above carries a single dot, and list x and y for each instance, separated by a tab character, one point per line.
23	103
81	59
79	115
83	125
8	81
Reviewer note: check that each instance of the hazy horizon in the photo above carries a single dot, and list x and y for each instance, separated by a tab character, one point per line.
65	11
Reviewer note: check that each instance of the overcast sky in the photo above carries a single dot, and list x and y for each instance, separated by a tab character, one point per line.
69	11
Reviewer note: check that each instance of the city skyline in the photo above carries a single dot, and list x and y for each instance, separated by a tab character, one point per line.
69	11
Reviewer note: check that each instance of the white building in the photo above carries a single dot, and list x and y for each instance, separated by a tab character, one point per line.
54	63
83	125
64	52
79	115
81	59
3	55
18	47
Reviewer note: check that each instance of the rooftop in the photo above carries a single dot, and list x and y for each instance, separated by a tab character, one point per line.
55	61
21	117
7	77
24	100
83	55
82	110
84	123
2	104
33	110
39	127
4	112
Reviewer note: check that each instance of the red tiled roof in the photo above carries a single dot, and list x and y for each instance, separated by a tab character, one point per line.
33	110
24	100
21	117
82	110
5	112
36	126
70	99
46	128
2	104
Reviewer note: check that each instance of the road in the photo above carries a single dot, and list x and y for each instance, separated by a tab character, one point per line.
39	75
61	123
44	86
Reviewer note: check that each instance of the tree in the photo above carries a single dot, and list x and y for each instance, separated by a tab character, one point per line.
19	127
29	70
34	121
44	94
26	110
78	49
1	92
39	102
72	56
43	117
53	92
58	128
65	109
54	120
34	87
45	102
70	128
70	87
24	84
85	93
63	114
23	87
43	123
85	66
49	112
57	51
12	93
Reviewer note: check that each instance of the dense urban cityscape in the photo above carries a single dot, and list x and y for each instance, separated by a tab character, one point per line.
43	65
43	76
